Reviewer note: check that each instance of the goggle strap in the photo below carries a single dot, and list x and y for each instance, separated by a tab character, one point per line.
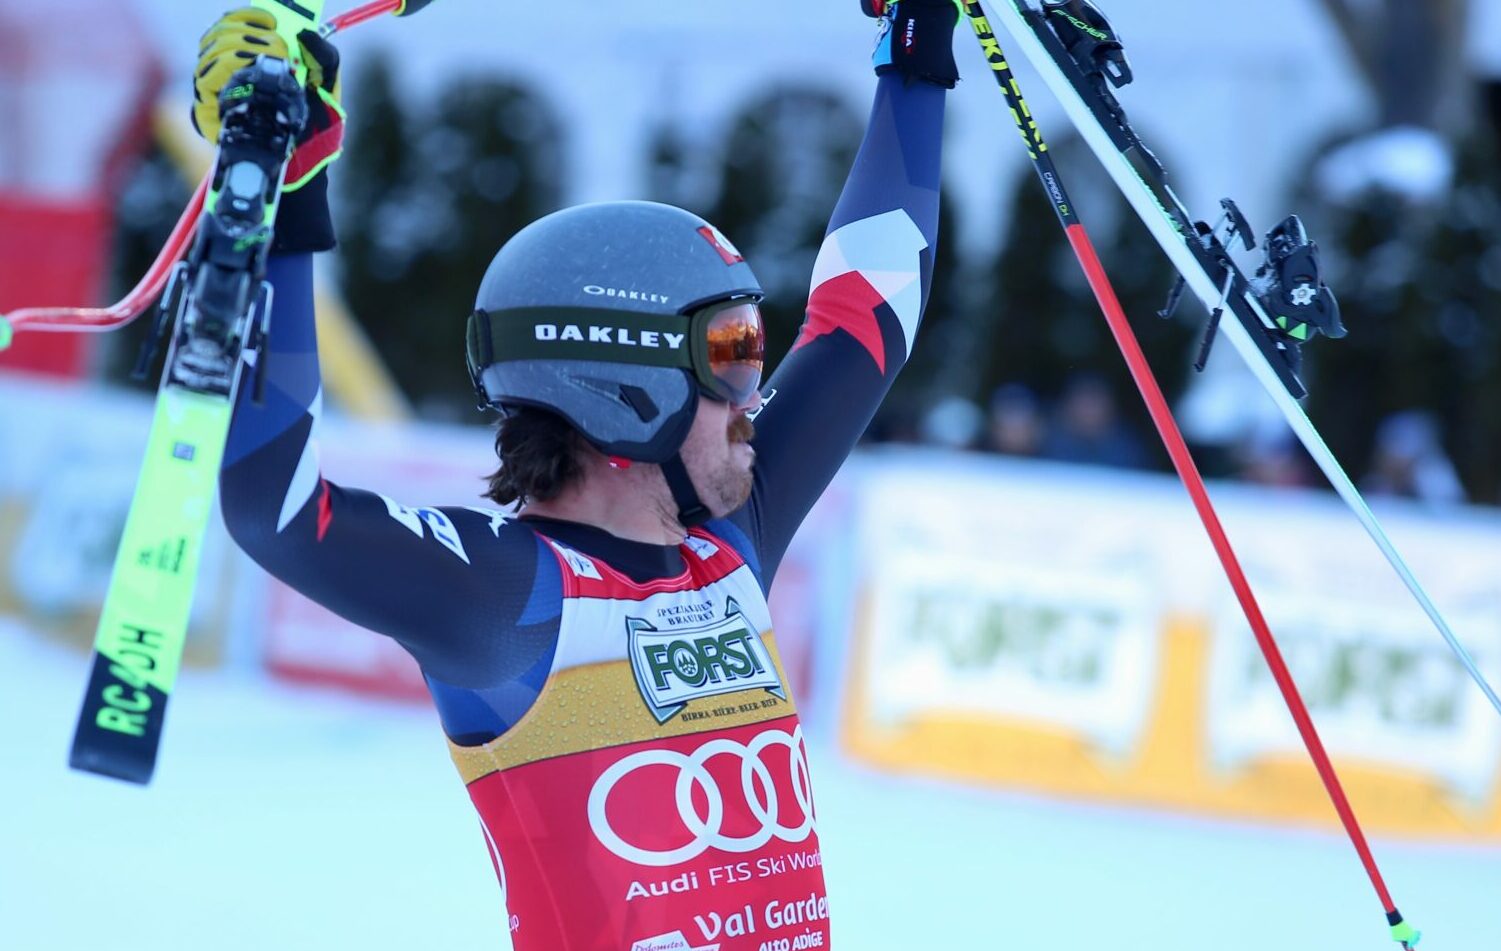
480	350
567	333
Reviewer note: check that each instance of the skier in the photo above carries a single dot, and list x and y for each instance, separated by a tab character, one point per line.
602	660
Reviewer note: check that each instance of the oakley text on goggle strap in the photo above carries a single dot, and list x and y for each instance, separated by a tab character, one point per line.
723	345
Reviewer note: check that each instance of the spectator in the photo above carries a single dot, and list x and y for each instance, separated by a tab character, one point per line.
1410	462
1086	428
953	423
1272	456
1015	426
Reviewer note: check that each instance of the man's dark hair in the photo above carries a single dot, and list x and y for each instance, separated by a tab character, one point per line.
539	457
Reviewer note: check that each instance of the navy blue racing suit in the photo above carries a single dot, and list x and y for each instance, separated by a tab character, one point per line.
575	671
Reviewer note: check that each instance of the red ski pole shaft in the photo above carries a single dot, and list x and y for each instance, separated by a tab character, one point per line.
1172	438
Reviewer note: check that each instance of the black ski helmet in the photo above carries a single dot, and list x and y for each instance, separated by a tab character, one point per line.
587	313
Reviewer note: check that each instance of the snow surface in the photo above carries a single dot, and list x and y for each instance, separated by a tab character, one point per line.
298	818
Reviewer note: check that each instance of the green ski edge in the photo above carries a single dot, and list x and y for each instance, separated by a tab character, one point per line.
143	628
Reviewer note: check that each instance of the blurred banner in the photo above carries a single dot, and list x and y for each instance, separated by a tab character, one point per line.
1069	630
68	468
1011	623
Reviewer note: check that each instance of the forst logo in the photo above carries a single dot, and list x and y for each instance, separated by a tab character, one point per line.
703	659
675	666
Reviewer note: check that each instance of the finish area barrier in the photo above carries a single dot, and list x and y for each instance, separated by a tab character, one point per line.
1068	631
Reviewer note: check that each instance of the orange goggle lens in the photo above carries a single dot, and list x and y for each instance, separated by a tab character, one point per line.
737	351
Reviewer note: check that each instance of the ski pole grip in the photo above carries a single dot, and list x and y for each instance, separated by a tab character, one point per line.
408	7
292	18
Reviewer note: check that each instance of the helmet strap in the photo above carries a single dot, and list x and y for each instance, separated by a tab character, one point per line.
691	509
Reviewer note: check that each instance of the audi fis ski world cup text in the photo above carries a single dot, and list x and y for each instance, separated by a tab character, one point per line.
723	875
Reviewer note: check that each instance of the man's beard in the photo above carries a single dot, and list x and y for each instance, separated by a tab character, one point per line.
742	429
734	485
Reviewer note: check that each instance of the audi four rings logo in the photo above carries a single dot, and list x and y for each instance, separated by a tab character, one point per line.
757	785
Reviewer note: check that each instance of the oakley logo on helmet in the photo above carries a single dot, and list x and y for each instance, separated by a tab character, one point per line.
676	666
773	765
727	251
595	290
625	336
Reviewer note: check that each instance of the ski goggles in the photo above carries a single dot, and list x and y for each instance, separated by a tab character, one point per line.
734	342
723	345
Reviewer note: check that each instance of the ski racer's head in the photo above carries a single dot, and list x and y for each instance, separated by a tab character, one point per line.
627	332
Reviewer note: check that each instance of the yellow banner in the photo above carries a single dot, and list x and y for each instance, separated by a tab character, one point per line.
1069	631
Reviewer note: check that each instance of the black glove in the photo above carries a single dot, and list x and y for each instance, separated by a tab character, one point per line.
916	39
303	222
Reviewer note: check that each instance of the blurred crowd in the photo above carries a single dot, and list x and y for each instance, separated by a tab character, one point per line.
1084	425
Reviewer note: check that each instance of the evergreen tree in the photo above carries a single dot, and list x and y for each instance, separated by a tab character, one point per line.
1419	286
1041	323
675	169
152	199
785	161
426	201
1417	270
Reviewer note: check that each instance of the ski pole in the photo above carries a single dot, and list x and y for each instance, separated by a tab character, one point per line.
1169	223
151	285
1172	439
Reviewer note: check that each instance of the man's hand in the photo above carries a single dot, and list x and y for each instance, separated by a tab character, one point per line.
233	43
229	45
916	40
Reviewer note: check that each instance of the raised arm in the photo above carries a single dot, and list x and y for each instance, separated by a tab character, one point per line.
870	282
425	576
437	580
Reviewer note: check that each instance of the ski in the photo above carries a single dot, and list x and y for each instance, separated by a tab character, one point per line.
292	19
216	307
1273	312
1289	251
